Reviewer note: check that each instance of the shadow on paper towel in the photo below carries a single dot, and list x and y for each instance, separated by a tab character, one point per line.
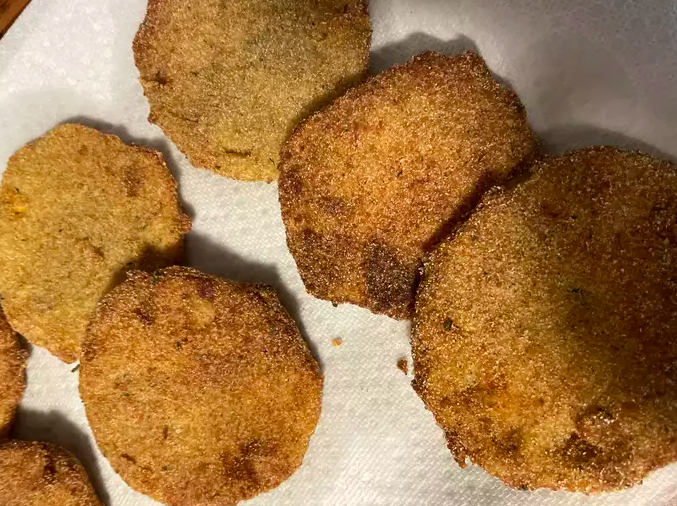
566	137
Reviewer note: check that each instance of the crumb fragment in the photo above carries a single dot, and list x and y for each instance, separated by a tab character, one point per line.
336	342
403	365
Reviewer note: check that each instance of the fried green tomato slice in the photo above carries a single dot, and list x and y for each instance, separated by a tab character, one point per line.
77	209
200	391
370	183
227	81
12	375
544	337
42	474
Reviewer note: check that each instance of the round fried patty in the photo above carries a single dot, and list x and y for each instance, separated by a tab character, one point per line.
77	209
12	376
199	390
544	337
370	183
227	81
43	474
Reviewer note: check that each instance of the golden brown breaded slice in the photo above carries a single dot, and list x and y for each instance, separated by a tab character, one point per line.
227	81
370	183
77	209
12	375
43	474
544	338
199	390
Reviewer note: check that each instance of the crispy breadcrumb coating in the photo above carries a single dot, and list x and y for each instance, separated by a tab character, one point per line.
42	474
199	391
544	338
371	183
227	81
12	376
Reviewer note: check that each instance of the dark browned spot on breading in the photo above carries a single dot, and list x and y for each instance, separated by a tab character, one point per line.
579	452
334	206
239	468
390	282
49	469
594	421
161	77
133	181
242	153
206	289
292	183
128	458
315	259
445	402
455	444
145	315
510	444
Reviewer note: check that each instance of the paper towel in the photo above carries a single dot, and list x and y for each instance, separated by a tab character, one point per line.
589	71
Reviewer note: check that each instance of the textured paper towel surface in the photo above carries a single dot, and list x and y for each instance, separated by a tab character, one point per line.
589	71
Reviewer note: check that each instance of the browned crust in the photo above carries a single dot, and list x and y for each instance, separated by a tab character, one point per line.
12	375
198	390
34	473
543	337
78	209
371	182
297	81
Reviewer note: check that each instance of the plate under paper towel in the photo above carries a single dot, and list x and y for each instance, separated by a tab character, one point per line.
589	71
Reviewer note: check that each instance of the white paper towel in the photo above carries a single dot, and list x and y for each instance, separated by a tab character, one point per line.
589	71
